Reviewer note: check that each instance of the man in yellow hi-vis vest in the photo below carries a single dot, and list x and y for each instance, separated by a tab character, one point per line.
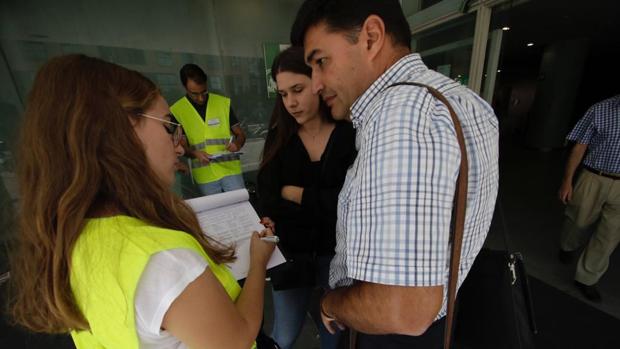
213	133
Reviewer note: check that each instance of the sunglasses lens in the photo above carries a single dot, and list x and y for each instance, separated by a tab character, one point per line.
176	135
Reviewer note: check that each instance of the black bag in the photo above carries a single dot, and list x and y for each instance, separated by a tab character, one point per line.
495	303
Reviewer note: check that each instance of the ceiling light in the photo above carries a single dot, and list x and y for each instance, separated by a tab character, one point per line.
530	44
506	28
499	70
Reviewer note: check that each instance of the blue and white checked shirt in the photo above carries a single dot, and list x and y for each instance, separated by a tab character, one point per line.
599	128
395	207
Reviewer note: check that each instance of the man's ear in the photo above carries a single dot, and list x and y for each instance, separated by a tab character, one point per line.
373	35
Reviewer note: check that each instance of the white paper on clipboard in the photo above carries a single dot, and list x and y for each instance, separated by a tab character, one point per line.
230	219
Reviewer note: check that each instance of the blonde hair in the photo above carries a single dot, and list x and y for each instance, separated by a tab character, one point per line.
79	153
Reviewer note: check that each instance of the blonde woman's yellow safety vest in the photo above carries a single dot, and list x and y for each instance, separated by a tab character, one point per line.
106	264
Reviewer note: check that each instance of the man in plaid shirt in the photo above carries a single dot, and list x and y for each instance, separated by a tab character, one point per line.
595	196
395	207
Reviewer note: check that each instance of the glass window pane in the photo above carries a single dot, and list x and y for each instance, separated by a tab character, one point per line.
447	48
225	38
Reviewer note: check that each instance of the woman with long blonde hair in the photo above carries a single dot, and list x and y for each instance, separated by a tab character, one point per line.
106	251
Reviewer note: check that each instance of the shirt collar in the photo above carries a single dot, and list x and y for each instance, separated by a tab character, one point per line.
405	69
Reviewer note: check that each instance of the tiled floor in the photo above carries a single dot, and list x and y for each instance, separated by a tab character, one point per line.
528	200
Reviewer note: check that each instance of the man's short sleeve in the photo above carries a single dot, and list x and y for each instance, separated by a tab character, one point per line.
401	215
584	130
232	119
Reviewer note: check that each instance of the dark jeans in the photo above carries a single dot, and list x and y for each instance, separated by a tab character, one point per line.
291	307
431	339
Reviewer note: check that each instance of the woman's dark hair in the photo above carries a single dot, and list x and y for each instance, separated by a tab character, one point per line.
282	124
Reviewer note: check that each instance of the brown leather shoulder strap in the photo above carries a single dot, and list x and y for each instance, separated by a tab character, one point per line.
458	212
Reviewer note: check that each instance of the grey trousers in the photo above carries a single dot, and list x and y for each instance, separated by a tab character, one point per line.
596	199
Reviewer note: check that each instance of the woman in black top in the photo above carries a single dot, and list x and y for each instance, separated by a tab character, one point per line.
305	160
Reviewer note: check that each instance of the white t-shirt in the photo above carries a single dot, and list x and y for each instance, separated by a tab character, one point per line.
165	277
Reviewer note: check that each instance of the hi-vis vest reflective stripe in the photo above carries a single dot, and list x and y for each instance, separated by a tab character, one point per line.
209	135
106	264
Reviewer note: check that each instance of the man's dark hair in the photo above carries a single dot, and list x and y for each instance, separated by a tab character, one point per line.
193	72
348	16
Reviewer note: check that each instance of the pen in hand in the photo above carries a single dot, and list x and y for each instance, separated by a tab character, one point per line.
273	239
231	147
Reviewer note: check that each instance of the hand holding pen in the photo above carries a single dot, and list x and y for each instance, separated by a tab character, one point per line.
232	146
260	250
